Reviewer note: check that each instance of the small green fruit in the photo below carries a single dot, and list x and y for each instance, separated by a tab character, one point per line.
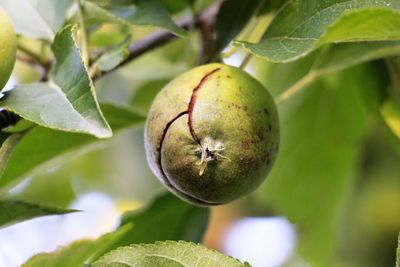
8	48
212	134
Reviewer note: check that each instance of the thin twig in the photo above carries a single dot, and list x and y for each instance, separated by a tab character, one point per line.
206	23
36	61
32	55
27	60
158	39
246	60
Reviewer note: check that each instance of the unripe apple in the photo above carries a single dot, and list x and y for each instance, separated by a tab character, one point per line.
8	48
212	134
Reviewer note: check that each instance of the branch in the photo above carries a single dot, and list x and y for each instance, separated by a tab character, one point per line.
162	37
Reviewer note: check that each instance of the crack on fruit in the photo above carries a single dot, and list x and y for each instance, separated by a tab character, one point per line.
165	177
164	134
192	103
207	154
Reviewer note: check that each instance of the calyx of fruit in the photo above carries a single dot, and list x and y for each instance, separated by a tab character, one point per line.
8	48
212	134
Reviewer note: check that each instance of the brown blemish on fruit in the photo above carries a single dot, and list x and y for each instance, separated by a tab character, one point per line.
266	111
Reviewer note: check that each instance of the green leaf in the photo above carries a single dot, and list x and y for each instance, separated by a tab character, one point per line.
303	25
232	17
41	18
51	147
181	221
77	253
12	211
167	253
68	102
324	125
114	56
146	12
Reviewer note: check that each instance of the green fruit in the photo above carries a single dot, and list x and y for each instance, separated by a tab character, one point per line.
212	134
8	48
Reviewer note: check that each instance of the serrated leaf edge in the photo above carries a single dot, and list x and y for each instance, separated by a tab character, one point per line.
72	28
250	47
167	243
125	22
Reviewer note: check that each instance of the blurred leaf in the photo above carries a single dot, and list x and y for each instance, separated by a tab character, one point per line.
108	35
76	254
42	148
168	253
308	184
114	56
6	148
68	102
40	19
144	95
12	211
53	187
337	57
199	5
271	6
181	221
122	117
369	224
147	12
232	17
302	26
340	56
389	109
175	6
390	112
393	67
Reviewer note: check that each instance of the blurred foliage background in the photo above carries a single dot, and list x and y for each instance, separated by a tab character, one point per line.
337	177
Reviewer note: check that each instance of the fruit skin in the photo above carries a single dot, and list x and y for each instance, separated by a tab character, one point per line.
8	48
232	115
